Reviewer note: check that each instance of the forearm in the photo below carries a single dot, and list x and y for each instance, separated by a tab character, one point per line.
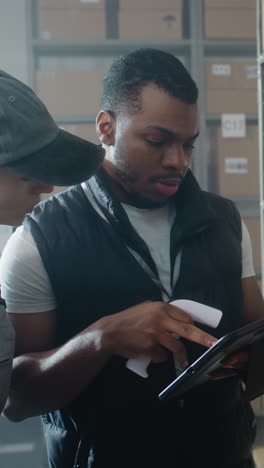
49	380
42	382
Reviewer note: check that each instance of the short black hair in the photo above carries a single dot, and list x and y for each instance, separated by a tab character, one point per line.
130	73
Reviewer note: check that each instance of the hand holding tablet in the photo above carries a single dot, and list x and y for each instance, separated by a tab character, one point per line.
200	371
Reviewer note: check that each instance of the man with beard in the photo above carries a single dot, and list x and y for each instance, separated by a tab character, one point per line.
105	258
34	155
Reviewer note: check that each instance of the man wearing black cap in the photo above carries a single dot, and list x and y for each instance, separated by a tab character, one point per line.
93	272
35	155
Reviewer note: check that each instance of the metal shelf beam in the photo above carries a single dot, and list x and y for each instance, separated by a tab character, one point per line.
215	119
110	47
105	48
230	48
74	120
211	119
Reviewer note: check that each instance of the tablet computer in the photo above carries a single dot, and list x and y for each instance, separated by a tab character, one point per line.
199	371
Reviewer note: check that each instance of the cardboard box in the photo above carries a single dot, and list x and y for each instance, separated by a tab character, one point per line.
228	3
86	131
253	225
149	4
230	19
74	93
72	24
88	4
55	4
231	87
77	4
150	24
237	161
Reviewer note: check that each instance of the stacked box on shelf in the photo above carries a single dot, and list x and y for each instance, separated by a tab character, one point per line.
72	19
238	164
70	93
237	175
230	19
150	19
231	86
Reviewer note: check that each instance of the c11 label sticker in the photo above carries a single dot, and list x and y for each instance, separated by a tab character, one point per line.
233	125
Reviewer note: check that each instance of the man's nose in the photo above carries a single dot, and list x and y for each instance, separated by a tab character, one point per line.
176	158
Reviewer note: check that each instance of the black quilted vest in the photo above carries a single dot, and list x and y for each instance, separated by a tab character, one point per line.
118	421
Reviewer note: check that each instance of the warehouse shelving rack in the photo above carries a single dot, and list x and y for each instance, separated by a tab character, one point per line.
194	49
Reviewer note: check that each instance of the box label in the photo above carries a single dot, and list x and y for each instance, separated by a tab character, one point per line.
220	69
233	125
236	165
251	72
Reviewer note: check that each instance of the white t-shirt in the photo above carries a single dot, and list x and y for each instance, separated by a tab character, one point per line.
154	228
24	281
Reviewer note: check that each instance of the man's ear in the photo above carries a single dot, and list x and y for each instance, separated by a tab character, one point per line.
105	128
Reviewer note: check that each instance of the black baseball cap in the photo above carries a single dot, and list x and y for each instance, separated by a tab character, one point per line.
33	145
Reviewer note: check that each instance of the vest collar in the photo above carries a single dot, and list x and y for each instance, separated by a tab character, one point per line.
194	212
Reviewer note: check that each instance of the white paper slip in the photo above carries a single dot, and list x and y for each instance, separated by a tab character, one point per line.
139	365
200	313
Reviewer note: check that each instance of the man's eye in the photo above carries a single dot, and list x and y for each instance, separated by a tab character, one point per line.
154	142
